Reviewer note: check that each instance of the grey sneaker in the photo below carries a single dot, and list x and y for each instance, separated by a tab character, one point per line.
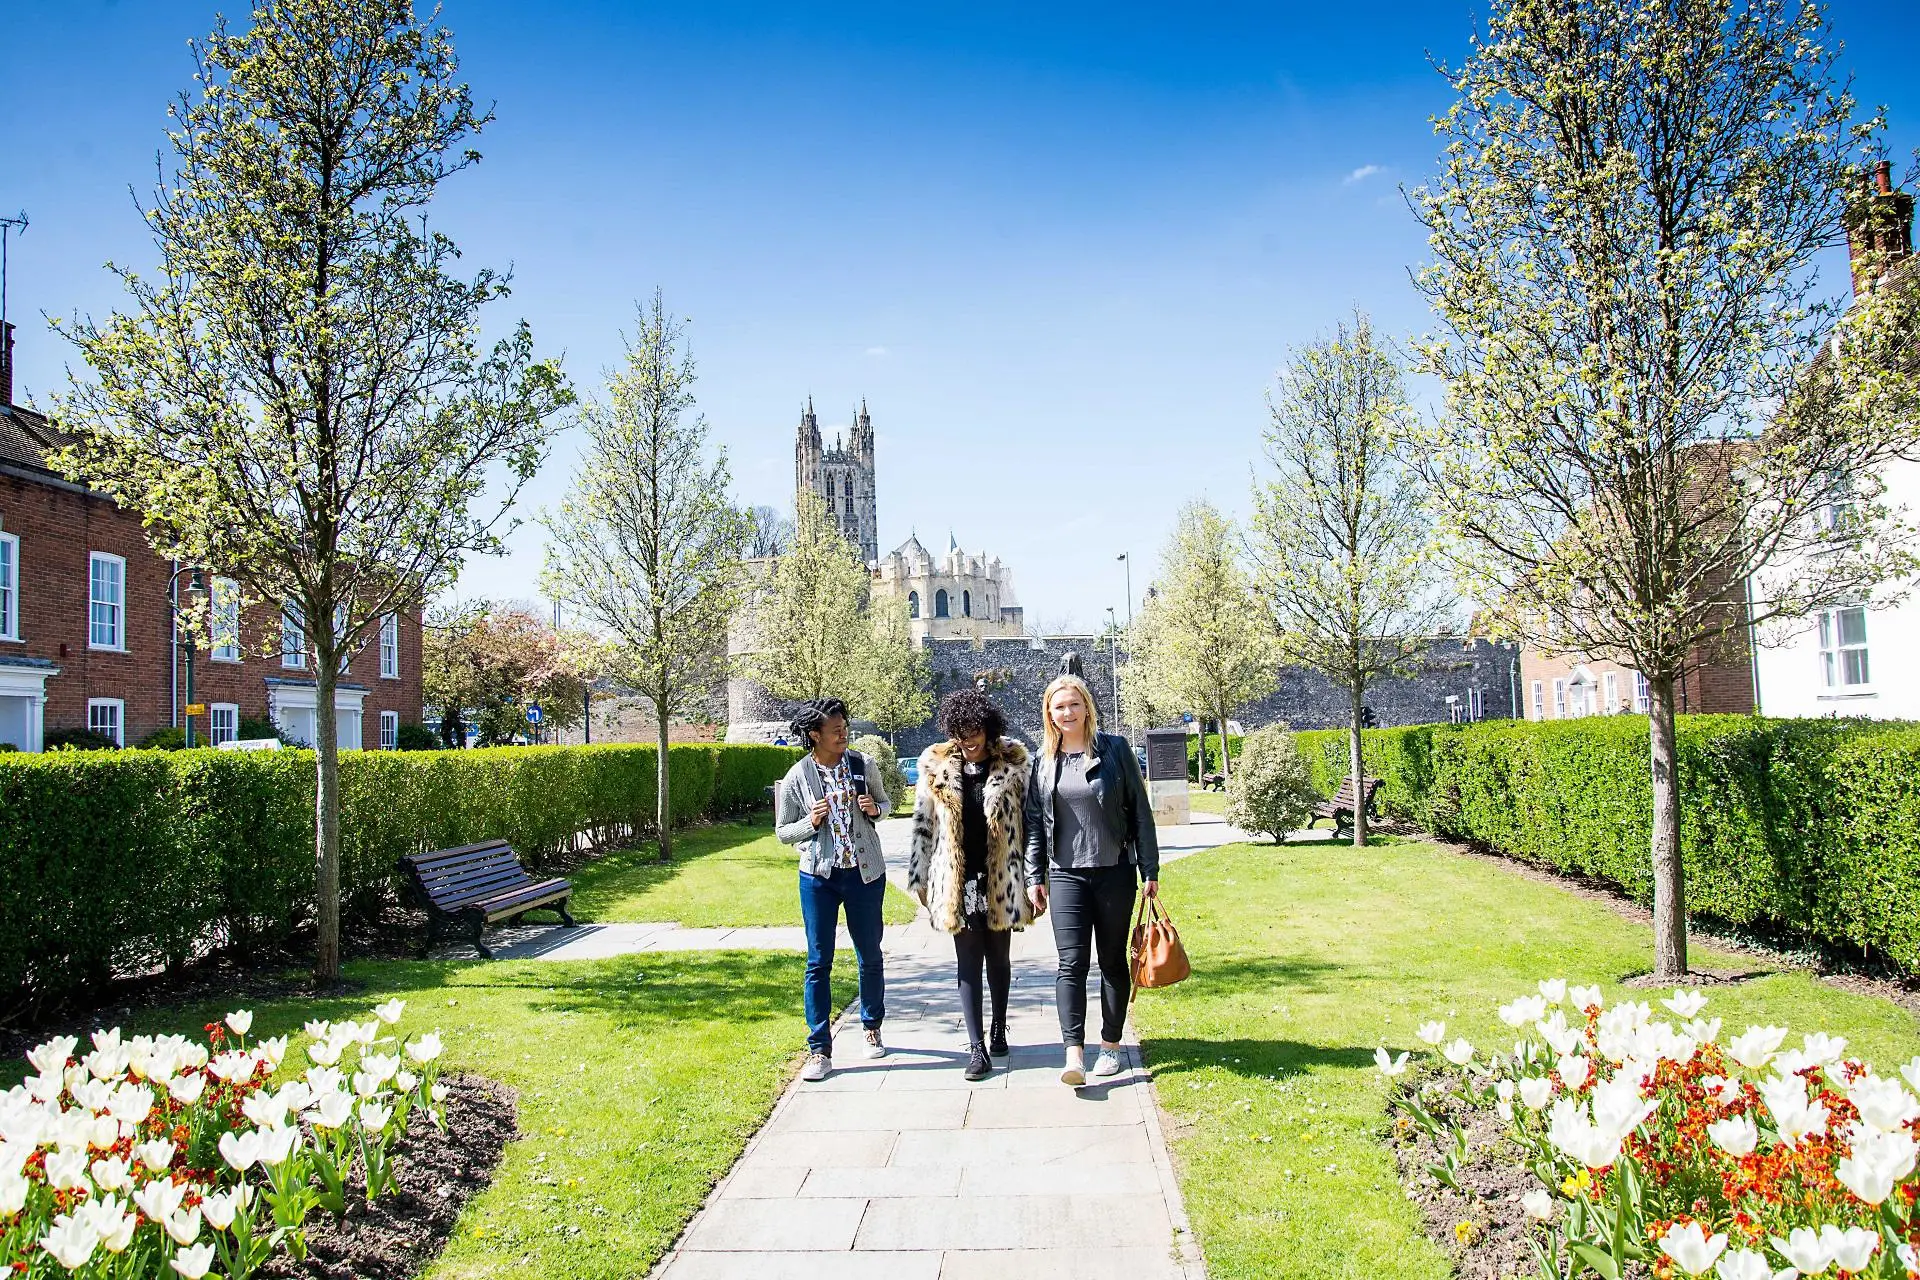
819	1067
875	1049
1107	1064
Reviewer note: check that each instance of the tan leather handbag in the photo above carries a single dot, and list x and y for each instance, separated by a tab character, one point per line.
1157	958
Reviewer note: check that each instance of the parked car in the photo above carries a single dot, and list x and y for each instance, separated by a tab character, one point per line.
911	768
1140	754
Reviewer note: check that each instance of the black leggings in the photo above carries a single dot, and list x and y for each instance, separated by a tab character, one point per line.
974	948
1091	912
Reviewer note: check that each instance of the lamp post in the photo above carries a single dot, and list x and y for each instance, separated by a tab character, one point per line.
1128	560
1113	664
196	585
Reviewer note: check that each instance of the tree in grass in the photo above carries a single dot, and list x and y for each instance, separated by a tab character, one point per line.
1341	537
894	692
1652	392
484	663
646	544
812	636
1201	643
298	396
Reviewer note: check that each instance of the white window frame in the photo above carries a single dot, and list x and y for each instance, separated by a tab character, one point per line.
293	624
10	586
1611	683
1559	699
214	711
118	605
390	647
223	618
1642	697
1539	700
1835	649
119	707
389	730
1476	705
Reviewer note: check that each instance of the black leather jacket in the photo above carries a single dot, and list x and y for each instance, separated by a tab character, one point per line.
1114	775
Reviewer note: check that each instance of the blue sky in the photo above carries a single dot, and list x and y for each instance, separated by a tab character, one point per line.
1059	250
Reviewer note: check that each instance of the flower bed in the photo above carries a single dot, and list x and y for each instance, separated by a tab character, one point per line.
161	1156
1655	1148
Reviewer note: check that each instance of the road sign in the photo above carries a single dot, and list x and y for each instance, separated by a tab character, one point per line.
196	708
533	714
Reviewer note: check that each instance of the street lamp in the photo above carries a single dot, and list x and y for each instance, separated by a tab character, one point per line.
1113	661
196	585
1123	556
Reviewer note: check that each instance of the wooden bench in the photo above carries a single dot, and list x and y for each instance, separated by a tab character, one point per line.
478	885
1213	781
1343	803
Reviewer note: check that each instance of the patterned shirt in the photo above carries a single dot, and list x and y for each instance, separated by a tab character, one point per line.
840	806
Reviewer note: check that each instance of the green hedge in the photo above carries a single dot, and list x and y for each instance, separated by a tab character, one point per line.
1213	753
113	861
1811	826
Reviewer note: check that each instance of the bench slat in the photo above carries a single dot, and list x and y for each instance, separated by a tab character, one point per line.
475	890
480	853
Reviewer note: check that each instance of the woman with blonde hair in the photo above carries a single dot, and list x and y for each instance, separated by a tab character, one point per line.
966	859
1090	836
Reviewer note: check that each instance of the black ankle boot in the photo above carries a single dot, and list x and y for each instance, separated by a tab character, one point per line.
978	1065
998	1045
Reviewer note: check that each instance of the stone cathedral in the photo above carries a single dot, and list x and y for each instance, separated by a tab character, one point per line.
842	477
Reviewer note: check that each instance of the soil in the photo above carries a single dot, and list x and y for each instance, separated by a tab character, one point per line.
1493	1244
437	1174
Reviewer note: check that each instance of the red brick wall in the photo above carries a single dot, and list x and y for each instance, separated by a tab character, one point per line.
58	530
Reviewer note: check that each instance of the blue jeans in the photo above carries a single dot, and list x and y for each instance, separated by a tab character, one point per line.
821	898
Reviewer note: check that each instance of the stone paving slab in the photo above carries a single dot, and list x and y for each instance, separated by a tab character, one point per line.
1096	1264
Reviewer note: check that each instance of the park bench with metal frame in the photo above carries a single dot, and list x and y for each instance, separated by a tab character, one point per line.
1213	782
476	885
1343	803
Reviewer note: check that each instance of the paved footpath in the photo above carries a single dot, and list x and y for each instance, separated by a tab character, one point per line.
900	1169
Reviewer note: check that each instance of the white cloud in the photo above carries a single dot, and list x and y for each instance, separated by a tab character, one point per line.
1361	174
878	351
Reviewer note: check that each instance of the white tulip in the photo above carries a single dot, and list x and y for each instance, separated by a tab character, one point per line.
390	1012
1389	1065
1538	1203
1911	1073
265	1109
1535	1091
240	1020
276	1144
184	1226
1518	1013
13	1192
1737	1136
240	1149
160	1199
273	1050
186	1089
219	1209
1727	1091
1553	990
1459	1053
1691	1248
1882	1102
1434	1032
1685	1004
1744	1264
1562	1038
374	1117
67	1170
110	1173
1823	1048
109	1219
332	1110
1852	1248
325	1052
70	1241
438	1092
1585	998
319	1029
426	1048
1752	1048
193	1263
52	1057
323	1080
1805	1250
155	1155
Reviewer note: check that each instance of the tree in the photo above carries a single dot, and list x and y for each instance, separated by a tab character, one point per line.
1340	535
646	543
300	398
492	661
1203	645
1638	437
894	694
812	634
768	534
1273	792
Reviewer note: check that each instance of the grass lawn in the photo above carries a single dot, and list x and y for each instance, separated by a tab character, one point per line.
727	874
1305	958
1202	800
640	1080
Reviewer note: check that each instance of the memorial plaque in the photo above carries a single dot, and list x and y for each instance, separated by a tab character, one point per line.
1167	754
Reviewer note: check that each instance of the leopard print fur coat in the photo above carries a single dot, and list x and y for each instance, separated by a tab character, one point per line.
936	865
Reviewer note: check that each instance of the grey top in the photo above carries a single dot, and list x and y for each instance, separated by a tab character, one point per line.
793	806
1081	833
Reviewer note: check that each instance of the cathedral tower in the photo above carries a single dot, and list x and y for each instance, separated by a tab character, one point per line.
842	476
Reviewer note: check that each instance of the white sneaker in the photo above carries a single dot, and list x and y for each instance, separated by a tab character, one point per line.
875	1049
1075	1072
1107	1064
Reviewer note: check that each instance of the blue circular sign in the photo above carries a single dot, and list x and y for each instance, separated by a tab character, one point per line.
533	714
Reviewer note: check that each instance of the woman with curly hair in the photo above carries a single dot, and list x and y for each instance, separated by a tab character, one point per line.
965	861
1090	837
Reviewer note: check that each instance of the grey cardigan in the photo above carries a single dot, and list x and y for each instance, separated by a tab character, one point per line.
793	823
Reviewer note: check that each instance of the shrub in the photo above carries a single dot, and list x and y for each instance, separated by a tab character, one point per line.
1271	790
416	737
892	777
1196	767
114	862
77	740
170	738
256	727
1807	826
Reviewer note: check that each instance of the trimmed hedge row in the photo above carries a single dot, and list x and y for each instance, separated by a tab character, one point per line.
119	860
1811	826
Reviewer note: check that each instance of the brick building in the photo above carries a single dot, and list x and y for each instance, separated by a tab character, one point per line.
86	625
1719	681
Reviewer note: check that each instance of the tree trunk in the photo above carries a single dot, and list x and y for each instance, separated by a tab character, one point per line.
1669	876
1357	769
662	798
326	827
1226	763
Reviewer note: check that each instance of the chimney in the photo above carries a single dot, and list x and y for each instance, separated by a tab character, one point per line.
6	362
1879	230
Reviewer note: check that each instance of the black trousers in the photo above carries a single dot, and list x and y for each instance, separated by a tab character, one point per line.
1092	911
973	950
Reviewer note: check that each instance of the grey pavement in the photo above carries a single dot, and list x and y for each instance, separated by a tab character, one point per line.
900	1168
